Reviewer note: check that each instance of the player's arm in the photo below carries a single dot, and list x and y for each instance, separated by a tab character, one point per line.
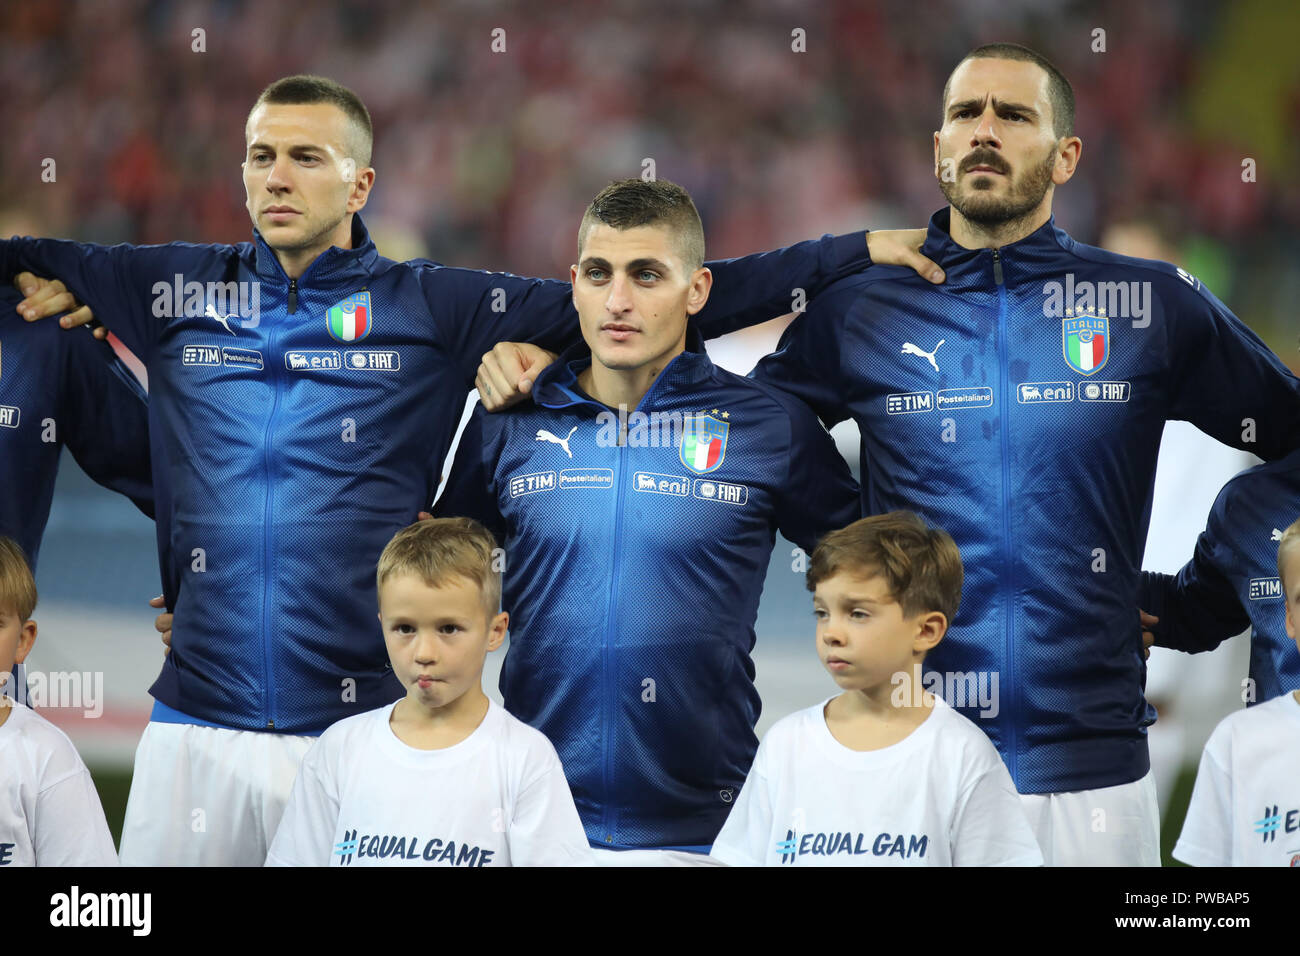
745	292
819	494
1197	608
806	361
104	418
305	836
470	489
759	287
119	282
1224	380
544	827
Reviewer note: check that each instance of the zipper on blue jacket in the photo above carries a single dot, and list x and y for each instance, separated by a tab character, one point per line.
293	296
268	538
609	711
1008	554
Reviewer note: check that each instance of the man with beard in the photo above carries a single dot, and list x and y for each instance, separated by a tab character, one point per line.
1020	406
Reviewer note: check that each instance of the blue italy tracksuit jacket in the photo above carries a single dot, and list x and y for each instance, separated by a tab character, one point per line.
1007	408
1232	583
298	424
633	574
63	388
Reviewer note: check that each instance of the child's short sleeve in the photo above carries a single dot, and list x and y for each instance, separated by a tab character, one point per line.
1206	839
70	825
990	827
747	834
544	827
305	836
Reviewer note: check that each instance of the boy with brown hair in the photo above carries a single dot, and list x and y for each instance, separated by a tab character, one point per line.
884	773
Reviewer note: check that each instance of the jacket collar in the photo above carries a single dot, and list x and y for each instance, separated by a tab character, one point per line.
1029	259
557	384
332	267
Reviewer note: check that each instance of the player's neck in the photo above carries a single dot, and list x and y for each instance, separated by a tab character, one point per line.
295	262
973	235
6	705
621	387
441	727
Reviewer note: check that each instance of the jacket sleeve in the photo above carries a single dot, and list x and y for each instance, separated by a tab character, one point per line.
474	310
120	283
1198	607
763	286
819	495
806	361
1226	381
104	418
470	491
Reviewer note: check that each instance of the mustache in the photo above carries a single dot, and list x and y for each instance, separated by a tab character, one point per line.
985	157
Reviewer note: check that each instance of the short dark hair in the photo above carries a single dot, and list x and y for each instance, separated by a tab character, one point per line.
629	203
1059	91
921	565
305	89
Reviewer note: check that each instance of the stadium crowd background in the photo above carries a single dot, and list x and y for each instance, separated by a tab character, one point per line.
487	159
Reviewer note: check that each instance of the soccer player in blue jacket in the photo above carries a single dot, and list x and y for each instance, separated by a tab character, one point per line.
1020	406
62	390
1231	582
304	392
638	497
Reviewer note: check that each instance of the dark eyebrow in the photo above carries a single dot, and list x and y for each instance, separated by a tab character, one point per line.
999	105
636	265
593	262
293	150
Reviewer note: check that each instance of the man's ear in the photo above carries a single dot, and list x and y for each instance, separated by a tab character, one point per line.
698	291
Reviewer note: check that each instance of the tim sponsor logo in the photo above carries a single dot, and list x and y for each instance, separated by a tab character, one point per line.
587	478
300	360
200	355
374	361
9	416
531	484
721	491
904	403
242	358
652	482
1265	589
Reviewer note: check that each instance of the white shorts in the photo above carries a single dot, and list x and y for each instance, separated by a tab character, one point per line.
207	796
604	857
1111	826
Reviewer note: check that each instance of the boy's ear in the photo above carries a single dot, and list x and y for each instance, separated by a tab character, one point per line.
26	639
497	630
931	628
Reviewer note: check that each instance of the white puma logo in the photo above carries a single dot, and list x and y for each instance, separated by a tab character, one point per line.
221	320
544	435
910	349
1277	535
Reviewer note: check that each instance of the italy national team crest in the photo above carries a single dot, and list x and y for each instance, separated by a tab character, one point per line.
704	443
350	320
1087	340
